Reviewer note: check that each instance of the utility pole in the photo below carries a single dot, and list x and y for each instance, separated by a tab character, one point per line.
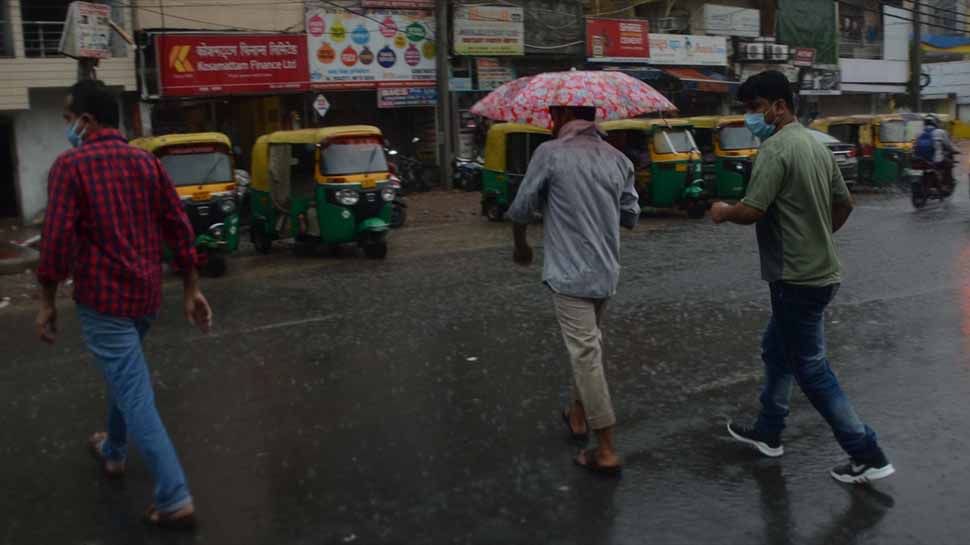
916	60
443	118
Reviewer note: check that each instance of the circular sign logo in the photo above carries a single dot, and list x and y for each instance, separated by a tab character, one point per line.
411	56
415	32
366	56
386	57
400	41
316	26
349	56
338	32
428	50
388	27
360	35
326	54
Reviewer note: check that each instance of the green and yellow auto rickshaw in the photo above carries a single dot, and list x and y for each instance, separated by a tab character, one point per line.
735	148
508	150
703	129
858	131
668	163
893	136
201	167
322	187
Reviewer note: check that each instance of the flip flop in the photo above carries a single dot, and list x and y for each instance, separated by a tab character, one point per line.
168	521
578	437
95	443
592	465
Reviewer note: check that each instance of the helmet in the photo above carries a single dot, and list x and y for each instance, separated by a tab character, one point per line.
932	120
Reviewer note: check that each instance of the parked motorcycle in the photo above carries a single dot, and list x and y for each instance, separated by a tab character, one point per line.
926	182
399	206
468	174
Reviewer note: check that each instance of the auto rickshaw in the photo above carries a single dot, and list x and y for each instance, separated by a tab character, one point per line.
727	168
508	150
667	161
201	167
703	130
322	187
855	130
893	136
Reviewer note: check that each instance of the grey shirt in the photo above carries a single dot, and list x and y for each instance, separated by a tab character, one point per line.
581	183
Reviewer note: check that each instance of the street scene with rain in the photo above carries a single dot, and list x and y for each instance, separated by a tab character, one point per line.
605	298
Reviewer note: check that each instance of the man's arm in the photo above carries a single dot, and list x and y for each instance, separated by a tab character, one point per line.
57	244
842	202
527	201
739	213
180	237
766	181
630	200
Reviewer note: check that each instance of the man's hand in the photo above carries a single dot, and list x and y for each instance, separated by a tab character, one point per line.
522	254
719	212
47	322
197	310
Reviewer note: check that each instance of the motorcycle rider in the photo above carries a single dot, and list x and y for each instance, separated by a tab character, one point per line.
934	146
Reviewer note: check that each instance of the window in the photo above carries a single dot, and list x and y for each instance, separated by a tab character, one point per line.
735	137
673	141
845	132
860	29
197	166
352	156
900	131
519	148
633	144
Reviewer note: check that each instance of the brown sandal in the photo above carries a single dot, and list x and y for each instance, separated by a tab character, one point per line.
111	469
182	519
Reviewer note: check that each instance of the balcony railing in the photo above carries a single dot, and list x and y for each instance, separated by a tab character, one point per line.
42	38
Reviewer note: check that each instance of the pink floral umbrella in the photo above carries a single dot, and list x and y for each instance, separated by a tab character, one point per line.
614	94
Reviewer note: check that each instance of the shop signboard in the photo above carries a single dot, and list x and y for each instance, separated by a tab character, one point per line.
371	49
617	40
87	31
688	50
492	74
398	4
406	97
211	64
789	70
731	21
821	80
803	56
489	30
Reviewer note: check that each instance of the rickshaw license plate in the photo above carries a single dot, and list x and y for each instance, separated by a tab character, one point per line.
681	167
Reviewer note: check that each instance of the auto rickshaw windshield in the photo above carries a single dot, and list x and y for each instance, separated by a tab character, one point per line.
197	166
352	156
673	141
736	137
897	130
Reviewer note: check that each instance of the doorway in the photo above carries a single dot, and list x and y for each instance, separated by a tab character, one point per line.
8	176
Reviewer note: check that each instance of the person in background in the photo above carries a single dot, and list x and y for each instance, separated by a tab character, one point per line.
584	188
798	200
110	209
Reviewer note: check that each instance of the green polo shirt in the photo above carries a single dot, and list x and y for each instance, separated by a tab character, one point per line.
794	182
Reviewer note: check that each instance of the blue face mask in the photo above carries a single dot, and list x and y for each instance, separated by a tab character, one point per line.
758	126
72	135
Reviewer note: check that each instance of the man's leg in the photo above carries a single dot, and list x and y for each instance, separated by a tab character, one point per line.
578	320
116	343
803	331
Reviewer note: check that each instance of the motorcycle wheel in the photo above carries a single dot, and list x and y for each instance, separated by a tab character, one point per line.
493	211
918	195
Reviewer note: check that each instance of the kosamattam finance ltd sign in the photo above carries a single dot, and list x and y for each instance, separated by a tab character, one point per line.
205	64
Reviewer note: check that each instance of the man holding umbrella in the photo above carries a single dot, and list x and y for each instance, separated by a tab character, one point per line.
584	187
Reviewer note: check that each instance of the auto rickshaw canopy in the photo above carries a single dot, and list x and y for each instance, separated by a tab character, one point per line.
496	150
705	121
154	143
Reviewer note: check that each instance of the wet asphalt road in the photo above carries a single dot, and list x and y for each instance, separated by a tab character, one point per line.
415	400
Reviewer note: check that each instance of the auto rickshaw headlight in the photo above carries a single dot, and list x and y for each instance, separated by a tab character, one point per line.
216	231
228	206
348	197
388	194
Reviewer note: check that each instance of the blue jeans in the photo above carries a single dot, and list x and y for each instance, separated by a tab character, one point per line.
116	343
793	349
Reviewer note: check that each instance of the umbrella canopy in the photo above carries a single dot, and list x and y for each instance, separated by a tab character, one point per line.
615	95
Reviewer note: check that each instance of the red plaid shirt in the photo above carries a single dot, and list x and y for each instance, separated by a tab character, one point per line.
109	207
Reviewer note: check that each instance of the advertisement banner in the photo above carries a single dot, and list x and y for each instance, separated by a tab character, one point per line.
803	56
688	49
492	74
731	21
87	33
208	64
407	97
489	30
617	40
376	48
809	23
821	80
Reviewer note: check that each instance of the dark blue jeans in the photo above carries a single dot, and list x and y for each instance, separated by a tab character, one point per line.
793	349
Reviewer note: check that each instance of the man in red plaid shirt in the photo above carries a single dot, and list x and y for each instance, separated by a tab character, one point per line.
110	208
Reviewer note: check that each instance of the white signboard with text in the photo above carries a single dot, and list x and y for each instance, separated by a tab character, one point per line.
87	33
688	50
730	21
489	30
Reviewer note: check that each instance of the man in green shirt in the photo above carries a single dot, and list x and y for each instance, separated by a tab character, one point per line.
798	199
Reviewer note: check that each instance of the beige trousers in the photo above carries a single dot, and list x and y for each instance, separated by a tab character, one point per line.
580	320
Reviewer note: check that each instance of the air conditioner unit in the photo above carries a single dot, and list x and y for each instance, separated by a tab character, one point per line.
669	25
751	51
776	52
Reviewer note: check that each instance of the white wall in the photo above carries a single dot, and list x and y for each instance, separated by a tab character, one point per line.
219	14
949	78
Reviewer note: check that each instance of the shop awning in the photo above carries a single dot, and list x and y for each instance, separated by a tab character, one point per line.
706	81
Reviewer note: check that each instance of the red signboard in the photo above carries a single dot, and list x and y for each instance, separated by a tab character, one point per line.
225	64
803	56
617	40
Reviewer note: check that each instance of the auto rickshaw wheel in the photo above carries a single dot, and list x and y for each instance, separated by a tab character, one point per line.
493	211
261	240
215	266
696	210
377	250
399	215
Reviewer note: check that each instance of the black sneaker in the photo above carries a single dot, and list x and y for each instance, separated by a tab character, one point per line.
769	446
856	472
